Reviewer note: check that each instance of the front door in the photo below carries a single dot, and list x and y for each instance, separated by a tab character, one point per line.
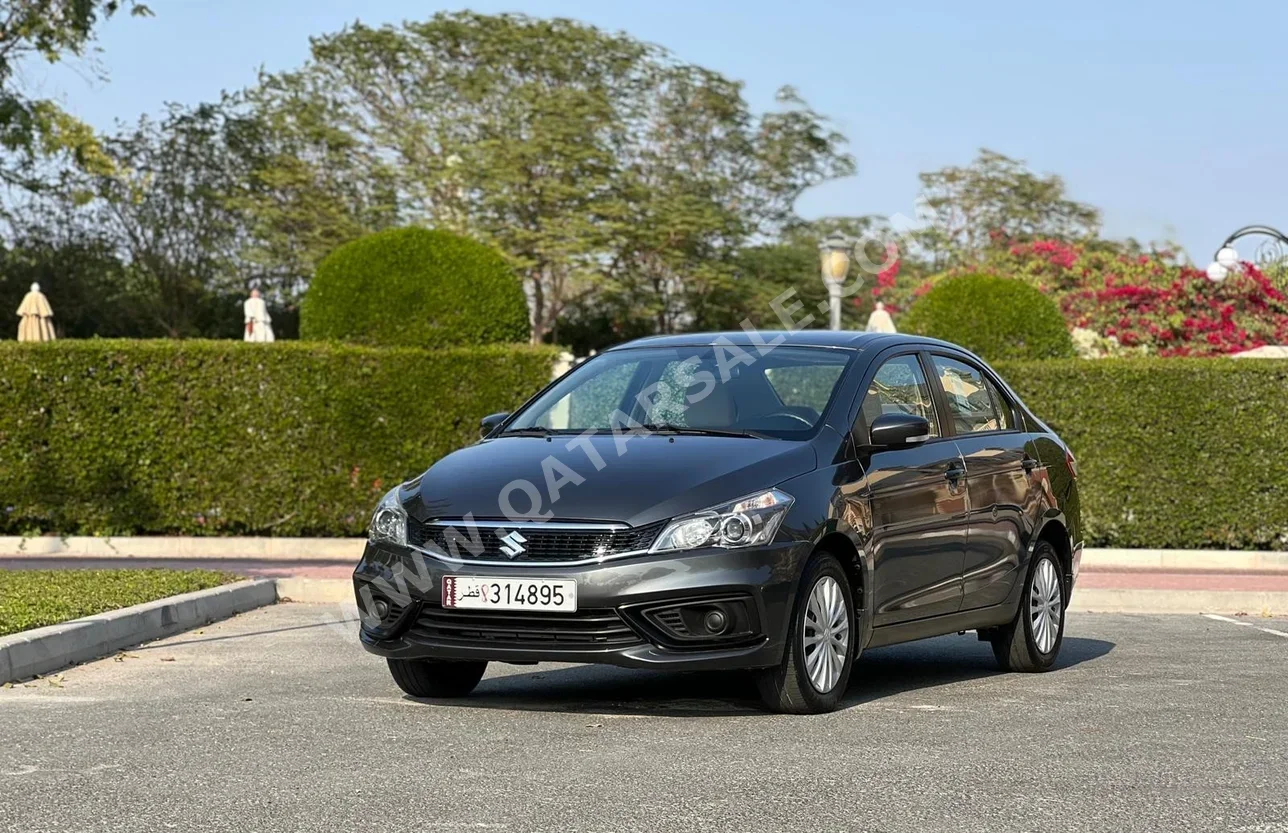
918	502
997	480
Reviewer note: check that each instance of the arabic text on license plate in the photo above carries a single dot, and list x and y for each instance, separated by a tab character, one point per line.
485	593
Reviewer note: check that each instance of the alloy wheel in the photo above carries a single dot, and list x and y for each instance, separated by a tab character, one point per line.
1045	606
826	634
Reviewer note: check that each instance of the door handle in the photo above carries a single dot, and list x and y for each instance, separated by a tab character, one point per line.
954	472
1030	464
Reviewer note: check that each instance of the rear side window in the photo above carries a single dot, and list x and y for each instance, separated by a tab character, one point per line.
899	387
974	404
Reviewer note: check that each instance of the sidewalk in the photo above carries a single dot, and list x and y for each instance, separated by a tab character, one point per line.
318	570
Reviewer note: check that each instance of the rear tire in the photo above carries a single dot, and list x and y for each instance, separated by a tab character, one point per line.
1031	641
436	678
823	618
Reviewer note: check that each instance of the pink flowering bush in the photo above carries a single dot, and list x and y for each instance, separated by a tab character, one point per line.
1149	301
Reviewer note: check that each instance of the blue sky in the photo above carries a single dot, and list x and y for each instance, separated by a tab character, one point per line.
1170	116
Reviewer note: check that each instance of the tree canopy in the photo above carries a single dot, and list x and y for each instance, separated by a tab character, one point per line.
997	198
631	192
595	162
33	129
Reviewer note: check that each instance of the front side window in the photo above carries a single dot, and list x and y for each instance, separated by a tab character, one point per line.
973	402
805	386
590	403
781	394
899	387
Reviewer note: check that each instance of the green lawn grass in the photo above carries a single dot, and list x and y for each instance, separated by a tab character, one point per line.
35	598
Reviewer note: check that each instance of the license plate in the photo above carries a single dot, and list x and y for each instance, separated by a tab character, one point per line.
483	593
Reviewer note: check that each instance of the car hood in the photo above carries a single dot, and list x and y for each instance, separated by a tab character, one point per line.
656	477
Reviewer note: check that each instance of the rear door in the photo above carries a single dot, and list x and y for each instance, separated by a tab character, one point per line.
985	427
918	502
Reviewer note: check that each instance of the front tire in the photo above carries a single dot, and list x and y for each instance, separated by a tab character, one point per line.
821	644
431	678
1032	640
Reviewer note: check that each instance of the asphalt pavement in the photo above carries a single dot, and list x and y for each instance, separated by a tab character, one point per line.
277	721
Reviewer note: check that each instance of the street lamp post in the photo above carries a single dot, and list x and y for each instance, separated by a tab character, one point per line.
1226	258
834	256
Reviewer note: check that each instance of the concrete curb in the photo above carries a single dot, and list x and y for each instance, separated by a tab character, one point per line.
42	650
184	547
1121	600
349	550
1224	561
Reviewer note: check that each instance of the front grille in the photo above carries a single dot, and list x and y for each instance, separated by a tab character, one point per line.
555	543
588	628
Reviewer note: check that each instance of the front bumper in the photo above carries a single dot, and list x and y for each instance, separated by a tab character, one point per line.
615	624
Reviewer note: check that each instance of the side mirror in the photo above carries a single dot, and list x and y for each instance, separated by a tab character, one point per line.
899	430
489	423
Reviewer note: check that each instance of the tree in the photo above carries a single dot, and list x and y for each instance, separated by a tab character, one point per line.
306	187
592	160
163	223
996	198
764	272
32	128
702	177
164	205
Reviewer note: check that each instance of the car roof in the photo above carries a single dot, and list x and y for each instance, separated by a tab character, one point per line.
838	339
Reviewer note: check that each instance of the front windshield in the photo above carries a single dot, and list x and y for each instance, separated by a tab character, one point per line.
782	394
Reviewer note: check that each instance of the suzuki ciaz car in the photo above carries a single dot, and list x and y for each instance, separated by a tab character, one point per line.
768	501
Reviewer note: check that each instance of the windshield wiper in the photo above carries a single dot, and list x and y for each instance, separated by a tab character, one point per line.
539	431
668	428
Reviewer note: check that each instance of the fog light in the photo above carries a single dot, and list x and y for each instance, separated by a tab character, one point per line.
380	608
715	621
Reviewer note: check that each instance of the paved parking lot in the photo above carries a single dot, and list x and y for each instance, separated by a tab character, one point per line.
277	721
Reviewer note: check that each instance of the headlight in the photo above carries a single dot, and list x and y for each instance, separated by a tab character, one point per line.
745	522
389	524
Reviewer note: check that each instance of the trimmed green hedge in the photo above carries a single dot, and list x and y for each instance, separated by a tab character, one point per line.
415	287
996	318
1186	453
226	438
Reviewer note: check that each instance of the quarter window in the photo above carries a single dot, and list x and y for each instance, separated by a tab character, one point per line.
973	402
899	387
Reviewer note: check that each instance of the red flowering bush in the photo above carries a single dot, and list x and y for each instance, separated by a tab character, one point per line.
1149	301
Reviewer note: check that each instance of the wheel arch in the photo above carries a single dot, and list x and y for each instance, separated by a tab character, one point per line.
1055	532
840	545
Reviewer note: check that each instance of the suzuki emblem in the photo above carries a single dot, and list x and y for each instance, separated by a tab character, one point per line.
512	544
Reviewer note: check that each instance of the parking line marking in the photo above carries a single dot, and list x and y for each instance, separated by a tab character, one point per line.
1245	624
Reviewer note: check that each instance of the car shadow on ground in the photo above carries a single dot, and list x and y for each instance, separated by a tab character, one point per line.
880	673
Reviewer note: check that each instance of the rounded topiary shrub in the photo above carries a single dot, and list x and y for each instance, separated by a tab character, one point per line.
996	318
415	287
